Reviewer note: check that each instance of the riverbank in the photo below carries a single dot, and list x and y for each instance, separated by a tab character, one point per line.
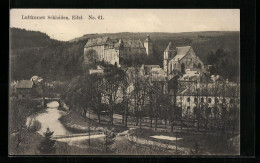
75	123
31	140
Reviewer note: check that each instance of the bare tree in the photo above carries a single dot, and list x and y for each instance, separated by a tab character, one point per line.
112	82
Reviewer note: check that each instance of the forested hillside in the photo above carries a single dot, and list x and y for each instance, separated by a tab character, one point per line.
34	53
21	39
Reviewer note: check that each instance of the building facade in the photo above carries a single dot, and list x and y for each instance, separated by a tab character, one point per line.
179	59
111	50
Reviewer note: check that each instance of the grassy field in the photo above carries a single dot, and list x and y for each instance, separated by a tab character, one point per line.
208	143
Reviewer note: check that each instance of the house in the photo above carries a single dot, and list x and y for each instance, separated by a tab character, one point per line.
154	72
24	88
207	94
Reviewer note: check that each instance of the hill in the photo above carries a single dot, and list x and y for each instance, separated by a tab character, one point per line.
202	42
21	39
34	53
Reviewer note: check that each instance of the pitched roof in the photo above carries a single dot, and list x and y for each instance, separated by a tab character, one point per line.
211	89
181	52
132	44
117	43
147	68
151	66
97	41
24	84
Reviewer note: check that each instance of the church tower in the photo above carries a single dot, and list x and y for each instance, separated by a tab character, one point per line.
169	53
148	45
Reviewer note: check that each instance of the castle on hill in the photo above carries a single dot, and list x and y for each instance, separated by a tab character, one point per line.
111	50
175	59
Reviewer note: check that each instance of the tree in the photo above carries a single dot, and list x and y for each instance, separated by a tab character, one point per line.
96	91
173	89
113	79
126	98
224	63
19	111
47	145
139	94
151	93
159	95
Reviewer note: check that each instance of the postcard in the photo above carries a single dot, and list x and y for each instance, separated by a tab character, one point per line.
124	82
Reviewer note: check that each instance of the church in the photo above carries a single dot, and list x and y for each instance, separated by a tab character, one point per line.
180	60
111	50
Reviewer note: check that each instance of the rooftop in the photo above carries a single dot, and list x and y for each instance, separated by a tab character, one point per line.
132	44
181	52
97	41
24	84
115	42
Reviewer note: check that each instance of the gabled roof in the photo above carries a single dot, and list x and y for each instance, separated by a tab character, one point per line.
24	84
147	68
97	41
181	52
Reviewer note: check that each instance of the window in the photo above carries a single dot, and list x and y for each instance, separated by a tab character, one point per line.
202	99
216	100
195	99
209	100
188	99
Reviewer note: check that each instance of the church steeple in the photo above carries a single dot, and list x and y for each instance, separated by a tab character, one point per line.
169	46
148	45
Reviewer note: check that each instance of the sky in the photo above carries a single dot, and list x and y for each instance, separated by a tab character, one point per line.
125	20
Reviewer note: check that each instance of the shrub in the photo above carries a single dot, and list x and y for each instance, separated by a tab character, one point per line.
36	126
47	145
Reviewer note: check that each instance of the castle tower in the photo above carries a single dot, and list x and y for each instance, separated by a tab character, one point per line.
148	45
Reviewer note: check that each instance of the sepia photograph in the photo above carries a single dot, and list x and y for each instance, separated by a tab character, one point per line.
124	82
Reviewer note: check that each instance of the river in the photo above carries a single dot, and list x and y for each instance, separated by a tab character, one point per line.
50	119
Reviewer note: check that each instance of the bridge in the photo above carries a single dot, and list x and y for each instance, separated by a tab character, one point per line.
45	100
55	137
